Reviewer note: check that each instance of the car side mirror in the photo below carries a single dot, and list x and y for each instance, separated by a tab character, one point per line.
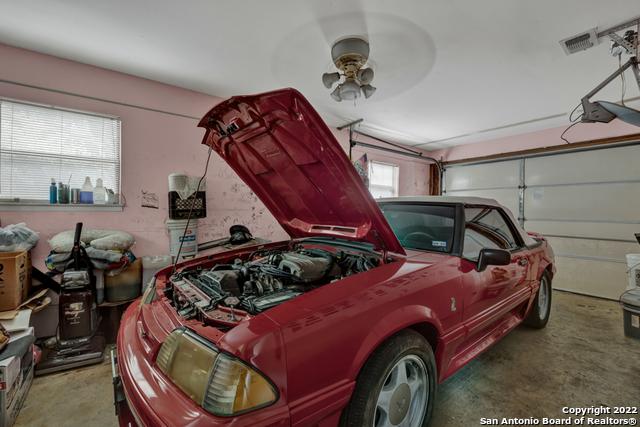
492	257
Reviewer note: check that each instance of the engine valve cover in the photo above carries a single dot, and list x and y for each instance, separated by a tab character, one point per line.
305	267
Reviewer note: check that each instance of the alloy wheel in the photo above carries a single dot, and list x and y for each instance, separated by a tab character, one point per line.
404	396
543	297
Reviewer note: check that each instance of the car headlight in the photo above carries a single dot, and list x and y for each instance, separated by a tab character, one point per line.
220	383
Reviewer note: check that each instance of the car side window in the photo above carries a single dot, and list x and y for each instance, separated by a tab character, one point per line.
474	242
421	226
486	228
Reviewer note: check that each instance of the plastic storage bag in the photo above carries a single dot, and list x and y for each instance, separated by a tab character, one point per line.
17	237
98	239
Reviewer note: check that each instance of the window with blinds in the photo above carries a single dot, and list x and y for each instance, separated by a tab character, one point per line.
39	142
383	179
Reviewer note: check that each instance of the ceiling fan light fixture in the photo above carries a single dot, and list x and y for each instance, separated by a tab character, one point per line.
349	90
365	75
329	79
367	90
350	55
336	94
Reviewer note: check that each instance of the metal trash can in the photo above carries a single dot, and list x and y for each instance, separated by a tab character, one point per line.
631	311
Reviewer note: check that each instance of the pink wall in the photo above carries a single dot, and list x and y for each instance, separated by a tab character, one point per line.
154	144
538	139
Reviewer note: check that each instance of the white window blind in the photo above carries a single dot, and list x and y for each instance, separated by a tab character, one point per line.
39	142
383	179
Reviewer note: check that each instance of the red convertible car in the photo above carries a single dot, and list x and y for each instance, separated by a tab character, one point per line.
352	322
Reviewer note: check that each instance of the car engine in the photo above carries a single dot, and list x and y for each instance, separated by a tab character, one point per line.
267	278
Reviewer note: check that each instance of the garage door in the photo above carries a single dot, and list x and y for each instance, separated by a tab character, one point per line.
499	180
586	202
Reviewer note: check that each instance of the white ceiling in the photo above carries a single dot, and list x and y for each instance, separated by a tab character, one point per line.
447	72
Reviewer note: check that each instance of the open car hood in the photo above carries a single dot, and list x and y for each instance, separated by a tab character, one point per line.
281	148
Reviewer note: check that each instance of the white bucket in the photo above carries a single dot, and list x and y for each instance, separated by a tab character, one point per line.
633	270
190	240
151	265
177	181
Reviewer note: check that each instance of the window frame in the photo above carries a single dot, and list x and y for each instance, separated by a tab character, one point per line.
514	232
42	204
396	178
458	225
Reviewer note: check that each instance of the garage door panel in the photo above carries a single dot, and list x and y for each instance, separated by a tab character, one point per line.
597	278
602	203
584	229
592	248
489	175
606	165
507	197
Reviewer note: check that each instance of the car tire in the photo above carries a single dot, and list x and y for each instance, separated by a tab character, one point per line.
383	393
539	314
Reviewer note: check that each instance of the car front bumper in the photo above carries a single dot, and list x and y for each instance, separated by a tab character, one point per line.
126	417
145	397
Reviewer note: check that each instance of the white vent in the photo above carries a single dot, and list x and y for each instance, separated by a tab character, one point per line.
580	42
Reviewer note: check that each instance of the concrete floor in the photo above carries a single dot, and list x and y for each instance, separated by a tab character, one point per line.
581	359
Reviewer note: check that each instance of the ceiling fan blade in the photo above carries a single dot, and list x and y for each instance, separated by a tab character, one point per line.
337	20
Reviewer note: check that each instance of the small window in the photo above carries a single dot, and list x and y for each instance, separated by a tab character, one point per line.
486	228
421	226
40	142
383	179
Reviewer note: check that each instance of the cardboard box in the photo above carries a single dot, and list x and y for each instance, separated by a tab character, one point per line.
16	376
10	380
15	278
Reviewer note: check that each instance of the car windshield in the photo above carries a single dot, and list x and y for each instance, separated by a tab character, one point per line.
421	226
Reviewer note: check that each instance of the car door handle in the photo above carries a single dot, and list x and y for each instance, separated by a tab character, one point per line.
523	261
499	274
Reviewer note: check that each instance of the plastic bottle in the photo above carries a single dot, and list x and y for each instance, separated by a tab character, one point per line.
99	193
86	192
53	192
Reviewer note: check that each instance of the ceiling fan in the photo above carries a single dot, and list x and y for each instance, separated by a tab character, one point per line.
350	55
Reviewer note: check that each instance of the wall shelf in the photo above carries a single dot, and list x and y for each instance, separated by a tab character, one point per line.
46	207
